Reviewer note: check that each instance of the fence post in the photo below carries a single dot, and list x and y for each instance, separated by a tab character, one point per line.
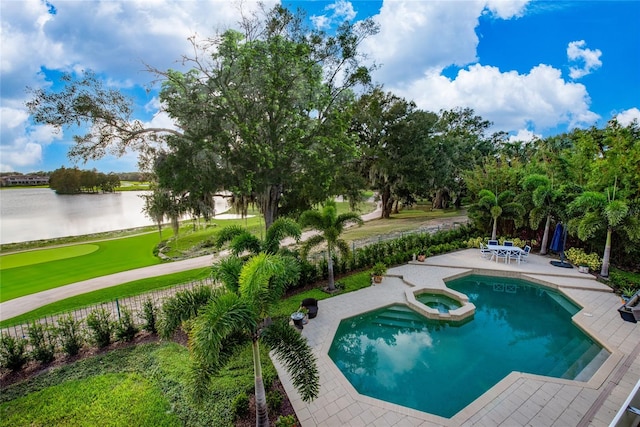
118	308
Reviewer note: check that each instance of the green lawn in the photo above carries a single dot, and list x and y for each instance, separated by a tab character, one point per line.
145	385
37	271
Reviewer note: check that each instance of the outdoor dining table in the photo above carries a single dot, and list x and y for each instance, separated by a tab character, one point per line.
511	251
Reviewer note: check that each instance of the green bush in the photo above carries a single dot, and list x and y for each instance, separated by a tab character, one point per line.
286	421
274	400
101	327
13	354
126	329
240	406
69	331
577	256
150	316
43	345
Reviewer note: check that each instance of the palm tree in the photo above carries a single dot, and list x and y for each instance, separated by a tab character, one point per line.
498	206
597	209
543	197
330	225
247	313
241	240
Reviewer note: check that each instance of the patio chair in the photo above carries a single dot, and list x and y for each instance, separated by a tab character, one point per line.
310	304
507	243
524	255
501	254
484	251
493	243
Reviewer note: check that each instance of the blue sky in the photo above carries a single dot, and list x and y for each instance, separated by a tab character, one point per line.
533	68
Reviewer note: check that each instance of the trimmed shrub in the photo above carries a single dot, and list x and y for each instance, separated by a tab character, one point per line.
274	400
150	316
126	330
13	354
42	339
69	331
577	256
101	327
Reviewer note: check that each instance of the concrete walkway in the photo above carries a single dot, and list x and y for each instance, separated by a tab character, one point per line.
520	399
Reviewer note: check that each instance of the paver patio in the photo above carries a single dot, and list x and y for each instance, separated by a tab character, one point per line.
520	398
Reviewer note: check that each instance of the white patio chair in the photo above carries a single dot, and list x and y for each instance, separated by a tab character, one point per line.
507	243
525	254
501	254
485	252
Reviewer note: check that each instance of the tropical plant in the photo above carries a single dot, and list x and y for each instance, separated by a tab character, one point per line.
230	315
379	269
543	197
330	225
501	205
181	307
240	239
594	210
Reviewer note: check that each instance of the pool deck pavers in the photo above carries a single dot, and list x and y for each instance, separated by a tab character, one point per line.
520	399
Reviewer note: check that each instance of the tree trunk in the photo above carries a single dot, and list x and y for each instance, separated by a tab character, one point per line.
387	202
495	229
604	271
262	414
270	203
332	285
545	236
395	207
440	200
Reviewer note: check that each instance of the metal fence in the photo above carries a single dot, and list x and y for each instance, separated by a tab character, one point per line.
134	304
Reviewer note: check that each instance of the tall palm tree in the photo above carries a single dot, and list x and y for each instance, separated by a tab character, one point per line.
501	205
228	314
543	197
330	225
597	209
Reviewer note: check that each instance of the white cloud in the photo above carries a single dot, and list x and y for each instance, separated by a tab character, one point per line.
417	35
539	100
524	135
339	11
626	117
342	10
506	9
587	60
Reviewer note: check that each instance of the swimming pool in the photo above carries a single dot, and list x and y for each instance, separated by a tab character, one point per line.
397	355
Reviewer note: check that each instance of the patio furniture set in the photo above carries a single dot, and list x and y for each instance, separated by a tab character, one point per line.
507	251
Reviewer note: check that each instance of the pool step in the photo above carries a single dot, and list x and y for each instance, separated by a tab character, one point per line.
586	360
400	317
579	350
564	303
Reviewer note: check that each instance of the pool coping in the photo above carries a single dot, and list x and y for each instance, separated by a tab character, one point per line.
344	405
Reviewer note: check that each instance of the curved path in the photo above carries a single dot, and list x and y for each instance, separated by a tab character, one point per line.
27	303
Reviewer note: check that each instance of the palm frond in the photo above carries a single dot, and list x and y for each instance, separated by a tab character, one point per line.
223	316
184	305
293	351
312	241
343	247
245	242
227	271
227	234
255	281
280	229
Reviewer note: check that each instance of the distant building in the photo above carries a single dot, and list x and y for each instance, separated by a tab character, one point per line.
13	180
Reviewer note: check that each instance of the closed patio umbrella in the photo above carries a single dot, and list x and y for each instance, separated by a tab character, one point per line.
557	245
556	241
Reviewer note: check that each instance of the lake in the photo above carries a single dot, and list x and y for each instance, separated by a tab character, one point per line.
39	213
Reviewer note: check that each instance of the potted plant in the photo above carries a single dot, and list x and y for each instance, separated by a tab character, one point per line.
583	268
378	270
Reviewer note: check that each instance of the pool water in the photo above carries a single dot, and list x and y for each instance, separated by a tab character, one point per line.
439	302
397	355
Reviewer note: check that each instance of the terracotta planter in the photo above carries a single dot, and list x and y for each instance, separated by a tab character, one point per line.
421	258
377	279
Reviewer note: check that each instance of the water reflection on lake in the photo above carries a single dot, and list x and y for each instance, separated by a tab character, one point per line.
40	213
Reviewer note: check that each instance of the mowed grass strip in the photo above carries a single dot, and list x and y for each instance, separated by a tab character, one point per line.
45	255
124	290
112	256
